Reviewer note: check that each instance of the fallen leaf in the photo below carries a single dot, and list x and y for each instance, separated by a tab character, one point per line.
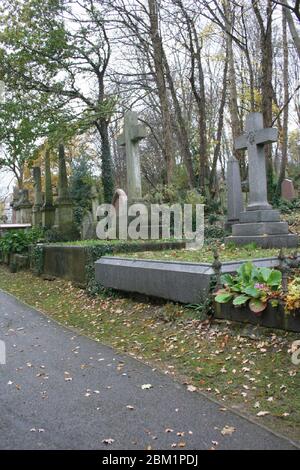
108	441
228	430
262	413
146	386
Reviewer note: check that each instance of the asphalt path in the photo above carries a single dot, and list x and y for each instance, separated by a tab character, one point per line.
60	390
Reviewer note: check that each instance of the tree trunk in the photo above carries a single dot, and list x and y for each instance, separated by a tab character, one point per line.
107	169
266	82
213	173
181	130
162	89
292	28
284	135
236	127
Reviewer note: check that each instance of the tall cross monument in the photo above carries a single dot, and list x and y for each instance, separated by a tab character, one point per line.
133	133
260	223
254	140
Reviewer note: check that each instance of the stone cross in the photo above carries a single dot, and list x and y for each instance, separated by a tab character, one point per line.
133	132
254	139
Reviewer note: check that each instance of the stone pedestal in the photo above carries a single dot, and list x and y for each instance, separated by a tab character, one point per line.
48	215
64	216
25	208
264	228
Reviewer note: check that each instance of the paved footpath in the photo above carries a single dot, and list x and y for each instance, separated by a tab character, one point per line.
59	390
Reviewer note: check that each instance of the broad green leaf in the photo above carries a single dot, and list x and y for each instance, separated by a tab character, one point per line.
275	278
227	279
241	300
265	273
223	298
253	292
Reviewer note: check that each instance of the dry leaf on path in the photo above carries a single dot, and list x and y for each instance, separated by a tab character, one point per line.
228	430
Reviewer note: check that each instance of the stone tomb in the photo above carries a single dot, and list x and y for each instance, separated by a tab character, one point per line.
177	281
260	223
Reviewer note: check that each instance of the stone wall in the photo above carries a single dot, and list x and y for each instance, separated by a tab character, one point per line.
76	263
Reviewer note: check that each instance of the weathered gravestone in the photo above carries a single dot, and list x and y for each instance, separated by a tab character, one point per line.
234	193
287	190
89	221
132	134
260	224
38	197
95	202
88	227
48	209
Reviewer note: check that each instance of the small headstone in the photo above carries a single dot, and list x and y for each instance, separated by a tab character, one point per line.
88	227
287	190
95	202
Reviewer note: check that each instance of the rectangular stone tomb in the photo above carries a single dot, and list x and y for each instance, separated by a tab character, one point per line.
183	282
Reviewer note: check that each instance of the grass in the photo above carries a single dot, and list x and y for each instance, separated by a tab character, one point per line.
205	254
246	368
112	242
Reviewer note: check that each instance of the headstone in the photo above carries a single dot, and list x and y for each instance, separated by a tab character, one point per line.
132	134
95	202
48	209
25	208
38	197
259	224
287	190
88	227
63	204
120	203
234	193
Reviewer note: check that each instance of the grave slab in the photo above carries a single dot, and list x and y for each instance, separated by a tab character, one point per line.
177	281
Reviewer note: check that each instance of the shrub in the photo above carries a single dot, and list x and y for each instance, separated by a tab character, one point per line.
18	241
292	298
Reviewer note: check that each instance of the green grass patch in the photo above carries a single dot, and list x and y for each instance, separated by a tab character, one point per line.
244	367
205	254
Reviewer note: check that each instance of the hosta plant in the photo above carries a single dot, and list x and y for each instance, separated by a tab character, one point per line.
251	285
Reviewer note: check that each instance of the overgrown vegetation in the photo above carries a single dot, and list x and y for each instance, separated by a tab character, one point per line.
18	241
